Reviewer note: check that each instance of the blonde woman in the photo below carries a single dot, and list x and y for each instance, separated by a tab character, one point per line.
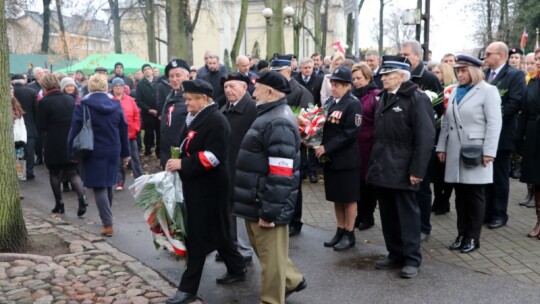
326	88
445	74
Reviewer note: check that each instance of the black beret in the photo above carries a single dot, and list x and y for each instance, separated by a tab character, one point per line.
118	64
276	81
17	77
342	74
466	60
198	86
235	76
145	65
176	63
515	51
100	69
394	63
262	64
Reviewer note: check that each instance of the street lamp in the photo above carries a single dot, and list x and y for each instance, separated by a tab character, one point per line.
288	13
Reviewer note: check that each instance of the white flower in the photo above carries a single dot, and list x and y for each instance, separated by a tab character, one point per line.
431	95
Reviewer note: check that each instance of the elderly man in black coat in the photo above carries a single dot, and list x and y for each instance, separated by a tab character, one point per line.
404	135
240	111
511	85
27	97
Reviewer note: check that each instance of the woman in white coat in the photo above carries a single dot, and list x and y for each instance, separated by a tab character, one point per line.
468	144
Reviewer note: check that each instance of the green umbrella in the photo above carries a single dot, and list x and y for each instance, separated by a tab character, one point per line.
131	63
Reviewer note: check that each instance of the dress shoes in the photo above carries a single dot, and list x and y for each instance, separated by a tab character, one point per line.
107	231
229	278
347	241
469	246
387	264
457	244
336	238
293	231
408	272
496	223
301	286
424	237
365	225
181	298
313	178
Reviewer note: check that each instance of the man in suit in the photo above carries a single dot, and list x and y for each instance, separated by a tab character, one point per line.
425	80
240	111
511	85
374	62
318	68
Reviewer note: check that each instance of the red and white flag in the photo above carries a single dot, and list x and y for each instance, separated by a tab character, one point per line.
523	42
337	45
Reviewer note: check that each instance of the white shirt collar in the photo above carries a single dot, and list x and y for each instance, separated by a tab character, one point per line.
498	70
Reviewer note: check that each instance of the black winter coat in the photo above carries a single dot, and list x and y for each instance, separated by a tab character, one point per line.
404	135
426	80
528	134
240	119
313	86
27	97
340	136
205	181
172	121
214	78
299	96
162	89
513	82
146	100
55	111
267	169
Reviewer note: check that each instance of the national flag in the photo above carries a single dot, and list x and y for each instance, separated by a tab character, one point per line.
337	45
523	42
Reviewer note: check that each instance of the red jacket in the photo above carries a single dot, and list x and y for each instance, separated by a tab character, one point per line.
132	115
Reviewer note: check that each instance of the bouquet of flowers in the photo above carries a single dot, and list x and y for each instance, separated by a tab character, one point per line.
160	196
311	122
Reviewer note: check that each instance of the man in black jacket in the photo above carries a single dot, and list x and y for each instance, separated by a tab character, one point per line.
267	179
146	100
318	68
119	72
240	111
213	77
27	97
511	85
425	80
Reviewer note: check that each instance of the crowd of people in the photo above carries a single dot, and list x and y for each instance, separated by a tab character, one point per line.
384	140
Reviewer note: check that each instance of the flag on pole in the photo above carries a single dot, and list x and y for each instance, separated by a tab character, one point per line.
337	45
536	46
523	42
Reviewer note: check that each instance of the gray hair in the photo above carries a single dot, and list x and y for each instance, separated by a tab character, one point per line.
240	57
372	53
404	72
214	57
19	81
305	60
416	47
38	69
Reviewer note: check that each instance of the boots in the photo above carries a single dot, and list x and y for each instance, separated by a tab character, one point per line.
529	197
536	231
82	205
336	238
58	207
347	241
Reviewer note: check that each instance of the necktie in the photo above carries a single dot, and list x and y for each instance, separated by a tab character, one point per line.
306	79
231	107
492	76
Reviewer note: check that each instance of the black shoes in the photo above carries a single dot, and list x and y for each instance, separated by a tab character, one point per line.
30	176
424	237
294	231
229	278
365	225
347	241
457	244
387	264
82	206
181	298
336	238
58	207
408	272
313	178
469	246
301	286
496	223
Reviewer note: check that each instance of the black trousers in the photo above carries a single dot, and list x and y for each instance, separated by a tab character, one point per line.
366	205
296	220
400	219
308	161
470	207
29	149
191	278
424	199
151	132
442	191
497	193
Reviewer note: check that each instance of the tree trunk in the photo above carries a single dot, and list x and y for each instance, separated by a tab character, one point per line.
173	30
502	29
350	33
46	26
183	31
151	30
239	33
323	33
381	27
489	30
13	234
62	32
275	42
115	16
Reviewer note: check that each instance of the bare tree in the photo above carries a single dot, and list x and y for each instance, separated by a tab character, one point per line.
180	28
14	7
115	16
239	33
324	28
62	30
13	234
150	29
46	26
381	23
350	27
396	31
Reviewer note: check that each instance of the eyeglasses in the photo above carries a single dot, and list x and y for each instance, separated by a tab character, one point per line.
530	63
491	53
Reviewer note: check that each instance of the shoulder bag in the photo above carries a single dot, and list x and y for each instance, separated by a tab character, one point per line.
83	143
471	155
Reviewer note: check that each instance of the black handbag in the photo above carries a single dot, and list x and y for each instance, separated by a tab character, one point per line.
471	155
83	143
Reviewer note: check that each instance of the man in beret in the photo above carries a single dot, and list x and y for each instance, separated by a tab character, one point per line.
240	111
266	186
173	115
511	81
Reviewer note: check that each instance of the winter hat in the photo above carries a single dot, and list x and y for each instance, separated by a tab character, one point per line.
65	81
117	81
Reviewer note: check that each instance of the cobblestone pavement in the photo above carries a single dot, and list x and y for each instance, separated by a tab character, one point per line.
91	272
506	251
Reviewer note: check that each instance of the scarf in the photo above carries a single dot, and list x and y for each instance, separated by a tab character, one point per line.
461	91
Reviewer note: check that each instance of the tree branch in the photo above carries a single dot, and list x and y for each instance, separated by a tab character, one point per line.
197	10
